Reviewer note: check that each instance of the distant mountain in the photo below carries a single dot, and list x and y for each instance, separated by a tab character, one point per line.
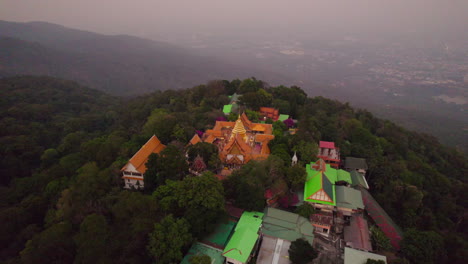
120	65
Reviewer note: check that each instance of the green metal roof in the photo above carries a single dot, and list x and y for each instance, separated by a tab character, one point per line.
285	225
343	175
245	236
353	256
358	179
202	249
283	117
227	109
219	237
317	180
348	198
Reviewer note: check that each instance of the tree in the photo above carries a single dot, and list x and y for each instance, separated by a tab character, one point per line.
422	246
307	151
52	245
305	210
151	179
92	239
200	259
296	176
207	151
168	239
379	240
198	199
301	252
247	186
171	164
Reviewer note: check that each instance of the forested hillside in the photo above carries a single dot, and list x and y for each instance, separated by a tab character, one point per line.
62	147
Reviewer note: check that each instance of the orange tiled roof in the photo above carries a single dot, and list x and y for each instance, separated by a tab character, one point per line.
258	127
270	112
263	137
244	148
141	157
245	120
195	139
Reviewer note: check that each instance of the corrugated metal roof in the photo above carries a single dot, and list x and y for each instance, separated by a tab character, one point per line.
245	236
286	225
348	198
353	256
202	249
358	179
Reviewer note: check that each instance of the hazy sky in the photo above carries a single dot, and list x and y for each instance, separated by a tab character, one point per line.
146	17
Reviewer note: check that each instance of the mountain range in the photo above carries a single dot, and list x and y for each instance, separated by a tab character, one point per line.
118	64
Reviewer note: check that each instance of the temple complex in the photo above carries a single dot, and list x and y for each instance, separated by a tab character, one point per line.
241	141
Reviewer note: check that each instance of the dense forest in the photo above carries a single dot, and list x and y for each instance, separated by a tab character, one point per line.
62	147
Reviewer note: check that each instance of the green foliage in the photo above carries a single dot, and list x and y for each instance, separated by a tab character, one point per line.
249	85
306	151
53	245
200	200
379	240
92	240
423	246
200	259
168	239
296	176
305	210
207	151
301	252
170	164
62	147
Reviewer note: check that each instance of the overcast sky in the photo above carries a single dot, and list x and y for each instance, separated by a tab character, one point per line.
145	17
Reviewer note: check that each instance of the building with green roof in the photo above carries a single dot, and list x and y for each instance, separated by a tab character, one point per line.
239	248
227	109
203	249
283	117
348	200
319	187
286	225
279	229
358	180
353	256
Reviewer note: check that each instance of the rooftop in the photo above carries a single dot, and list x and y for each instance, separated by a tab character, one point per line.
358	179
274	250
356	234
285	225
138	161
353	256
220	236
348	198
327	144
202	249
245	236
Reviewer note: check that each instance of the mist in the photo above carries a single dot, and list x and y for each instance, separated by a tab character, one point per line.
153	18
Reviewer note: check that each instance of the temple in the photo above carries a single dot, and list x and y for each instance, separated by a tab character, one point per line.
241	141
133	172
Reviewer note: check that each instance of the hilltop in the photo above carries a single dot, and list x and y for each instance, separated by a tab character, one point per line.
65	144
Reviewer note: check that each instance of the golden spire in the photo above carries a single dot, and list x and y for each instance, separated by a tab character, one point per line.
238	129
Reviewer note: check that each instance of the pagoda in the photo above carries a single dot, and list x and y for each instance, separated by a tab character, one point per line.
240	141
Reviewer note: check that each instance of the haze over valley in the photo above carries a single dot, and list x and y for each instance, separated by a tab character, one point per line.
404	60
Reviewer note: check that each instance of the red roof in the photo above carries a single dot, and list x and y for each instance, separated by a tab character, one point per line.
327	144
